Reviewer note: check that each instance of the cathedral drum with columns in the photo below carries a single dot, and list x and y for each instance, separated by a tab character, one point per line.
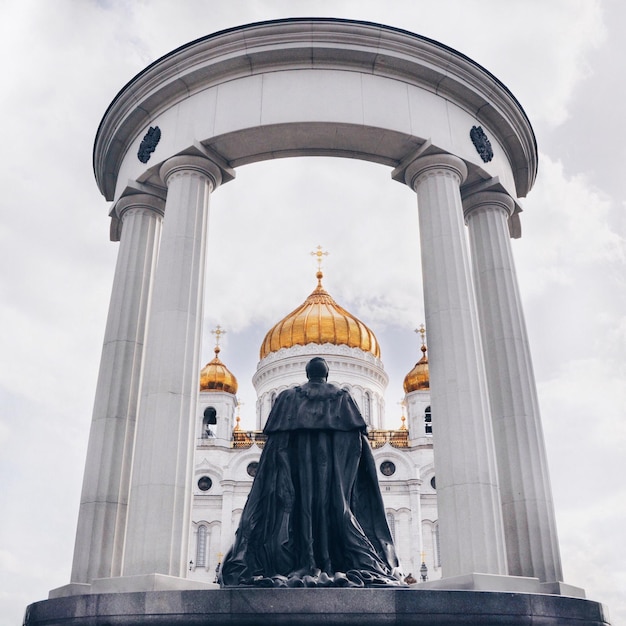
168	466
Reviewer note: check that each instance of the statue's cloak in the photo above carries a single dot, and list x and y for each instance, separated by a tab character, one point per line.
314	514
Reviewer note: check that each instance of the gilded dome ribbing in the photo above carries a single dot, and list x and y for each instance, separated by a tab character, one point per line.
215	376
319	319
418	378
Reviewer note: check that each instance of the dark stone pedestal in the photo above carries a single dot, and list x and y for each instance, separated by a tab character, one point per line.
293	607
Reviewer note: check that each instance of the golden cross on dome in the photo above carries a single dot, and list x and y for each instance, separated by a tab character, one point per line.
319	253
218	332
402	403
422	331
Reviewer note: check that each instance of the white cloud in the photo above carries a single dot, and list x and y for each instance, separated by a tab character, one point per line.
354	210
571	263
543	48
566	228
592	551
554	40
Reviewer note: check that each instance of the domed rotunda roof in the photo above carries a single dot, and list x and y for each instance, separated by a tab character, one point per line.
319	319
215	376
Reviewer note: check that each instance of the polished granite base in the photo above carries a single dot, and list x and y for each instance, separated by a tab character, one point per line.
294	607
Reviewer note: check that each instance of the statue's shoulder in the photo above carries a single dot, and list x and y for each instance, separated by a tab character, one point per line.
340	391
286	394
317	391
337	391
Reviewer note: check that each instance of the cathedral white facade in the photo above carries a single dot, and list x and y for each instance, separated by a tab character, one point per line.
226	456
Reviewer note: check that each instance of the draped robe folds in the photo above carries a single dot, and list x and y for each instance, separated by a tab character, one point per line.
314	516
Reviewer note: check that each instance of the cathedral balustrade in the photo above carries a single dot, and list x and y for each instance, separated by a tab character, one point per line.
243	439
206	442
396	438
247	438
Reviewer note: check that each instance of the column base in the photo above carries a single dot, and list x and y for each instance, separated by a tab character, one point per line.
483	582
129	584
562	589
495	582
73	589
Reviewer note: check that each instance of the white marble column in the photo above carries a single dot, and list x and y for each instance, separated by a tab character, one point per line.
417	539
227	533
470	517
102	514
530	529
160	498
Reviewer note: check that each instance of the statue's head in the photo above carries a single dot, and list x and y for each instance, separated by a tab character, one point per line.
317	368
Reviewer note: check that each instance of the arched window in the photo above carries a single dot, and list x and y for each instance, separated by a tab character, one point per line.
272	399
391	521
428	421
367	408
437	550
201	546
209	419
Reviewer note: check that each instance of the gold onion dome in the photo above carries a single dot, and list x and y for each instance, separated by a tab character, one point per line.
215	376
319	319
418	378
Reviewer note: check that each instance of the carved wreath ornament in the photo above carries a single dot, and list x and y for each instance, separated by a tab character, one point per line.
481	143
149	144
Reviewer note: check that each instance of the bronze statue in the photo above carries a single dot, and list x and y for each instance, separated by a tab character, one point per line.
314	516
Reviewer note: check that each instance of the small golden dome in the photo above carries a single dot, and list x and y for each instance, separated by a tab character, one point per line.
320	320
215	376
418	378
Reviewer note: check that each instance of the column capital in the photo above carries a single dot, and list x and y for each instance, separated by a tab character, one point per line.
186	163
138	200
488	199
424	165
133	201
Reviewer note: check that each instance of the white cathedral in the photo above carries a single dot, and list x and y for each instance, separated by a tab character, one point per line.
226	456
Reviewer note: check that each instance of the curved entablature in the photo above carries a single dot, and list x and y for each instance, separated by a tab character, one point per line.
336	87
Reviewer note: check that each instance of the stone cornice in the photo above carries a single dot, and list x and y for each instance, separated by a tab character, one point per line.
314	43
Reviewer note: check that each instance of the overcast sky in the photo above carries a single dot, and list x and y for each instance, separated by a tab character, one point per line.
63	62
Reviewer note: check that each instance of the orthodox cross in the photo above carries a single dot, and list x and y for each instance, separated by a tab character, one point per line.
218	332
422	331
403	404
319	253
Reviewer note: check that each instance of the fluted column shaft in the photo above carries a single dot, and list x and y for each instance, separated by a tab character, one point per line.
416	521
227	535
470	518
160	500
530	529
104	499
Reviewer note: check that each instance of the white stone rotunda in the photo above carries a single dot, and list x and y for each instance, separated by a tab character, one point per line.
453	133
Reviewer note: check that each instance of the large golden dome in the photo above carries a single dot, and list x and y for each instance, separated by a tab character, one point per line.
319	319
215	376
418	378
